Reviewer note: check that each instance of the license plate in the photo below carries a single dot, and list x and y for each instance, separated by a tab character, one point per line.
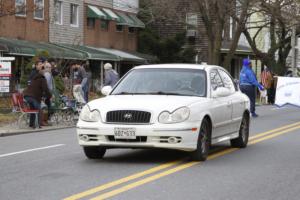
125	133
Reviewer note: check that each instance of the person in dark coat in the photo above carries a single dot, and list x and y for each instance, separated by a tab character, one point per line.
34	70
35	91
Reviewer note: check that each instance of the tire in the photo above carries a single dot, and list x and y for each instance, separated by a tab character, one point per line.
94	152
242	140
203	144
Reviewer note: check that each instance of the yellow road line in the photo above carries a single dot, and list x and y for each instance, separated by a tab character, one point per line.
273	130
123	180
144	181
252	140
182	166
158	176
273	135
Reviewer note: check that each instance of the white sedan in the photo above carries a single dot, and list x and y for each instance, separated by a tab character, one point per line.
174	106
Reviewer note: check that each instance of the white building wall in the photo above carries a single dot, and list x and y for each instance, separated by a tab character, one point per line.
65	33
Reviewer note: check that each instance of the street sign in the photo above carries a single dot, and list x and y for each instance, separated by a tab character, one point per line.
5	73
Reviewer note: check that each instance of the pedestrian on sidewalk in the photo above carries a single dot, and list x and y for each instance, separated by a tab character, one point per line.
248	84
111	76
35	91
79	78
54	69
50	85
35	70
267	81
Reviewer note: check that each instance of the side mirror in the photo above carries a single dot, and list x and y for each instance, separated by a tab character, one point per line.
106	90
221	92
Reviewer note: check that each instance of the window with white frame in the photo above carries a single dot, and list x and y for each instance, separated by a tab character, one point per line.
58	7
39	9
191	21
20	7
74	15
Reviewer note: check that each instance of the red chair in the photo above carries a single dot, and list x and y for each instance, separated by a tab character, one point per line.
20	106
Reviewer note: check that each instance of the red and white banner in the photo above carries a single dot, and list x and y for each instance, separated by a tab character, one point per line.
5	73
5	68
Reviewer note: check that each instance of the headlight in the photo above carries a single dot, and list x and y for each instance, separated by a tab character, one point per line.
88	115
179	115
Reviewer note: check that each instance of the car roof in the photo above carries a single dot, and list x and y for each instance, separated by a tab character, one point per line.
183	66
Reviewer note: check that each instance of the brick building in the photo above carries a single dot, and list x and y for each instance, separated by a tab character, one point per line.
94	31
110	26
25	19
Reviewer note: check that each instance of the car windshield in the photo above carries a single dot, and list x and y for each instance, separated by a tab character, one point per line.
163	81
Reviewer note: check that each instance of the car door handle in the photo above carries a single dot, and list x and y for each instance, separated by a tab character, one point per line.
228	104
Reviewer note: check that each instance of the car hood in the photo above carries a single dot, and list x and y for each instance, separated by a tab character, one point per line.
148	103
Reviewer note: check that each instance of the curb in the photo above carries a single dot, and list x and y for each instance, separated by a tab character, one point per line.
8	133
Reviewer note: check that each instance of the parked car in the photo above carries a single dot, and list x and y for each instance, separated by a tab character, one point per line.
174	106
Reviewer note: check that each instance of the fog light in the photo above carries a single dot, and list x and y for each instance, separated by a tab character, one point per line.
172	140
84	138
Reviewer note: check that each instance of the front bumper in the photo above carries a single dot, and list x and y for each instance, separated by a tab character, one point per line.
181	136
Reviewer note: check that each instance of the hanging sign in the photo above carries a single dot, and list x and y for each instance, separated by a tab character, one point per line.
5	74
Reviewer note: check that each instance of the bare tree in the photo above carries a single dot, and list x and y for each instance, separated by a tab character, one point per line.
215	16
277	18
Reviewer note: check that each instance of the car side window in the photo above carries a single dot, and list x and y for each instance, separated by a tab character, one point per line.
215	80
227	80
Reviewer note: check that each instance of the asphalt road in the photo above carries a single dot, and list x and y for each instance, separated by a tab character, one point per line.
51	165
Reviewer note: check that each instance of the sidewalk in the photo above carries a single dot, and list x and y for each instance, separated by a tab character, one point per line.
14	130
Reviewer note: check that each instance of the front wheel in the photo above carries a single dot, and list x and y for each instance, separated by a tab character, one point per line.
242	140
201	153
94	152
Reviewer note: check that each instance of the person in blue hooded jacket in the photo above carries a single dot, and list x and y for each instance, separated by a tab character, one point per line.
248	84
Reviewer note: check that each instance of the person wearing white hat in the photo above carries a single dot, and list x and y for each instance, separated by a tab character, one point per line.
111	76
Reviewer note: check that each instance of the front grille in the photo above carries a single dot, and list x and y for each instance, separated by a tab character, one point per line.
138	139
128	116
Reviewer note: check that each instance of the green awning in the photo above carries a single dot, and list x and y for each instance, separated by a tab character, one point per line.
92	53
94	12
122	55
28	48
138	22
125	19
110	14
149	58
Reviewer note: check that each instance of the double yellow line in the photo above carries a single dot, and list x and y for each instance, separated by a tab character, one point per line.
171	167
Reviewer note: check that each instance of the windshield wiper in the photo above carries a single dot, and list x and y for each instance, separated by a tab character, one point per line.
167	93
153	93
128	93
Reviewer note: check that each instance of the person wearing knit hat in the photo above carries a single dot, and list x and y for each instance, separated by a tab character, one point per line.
248	84
107	66
111	76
